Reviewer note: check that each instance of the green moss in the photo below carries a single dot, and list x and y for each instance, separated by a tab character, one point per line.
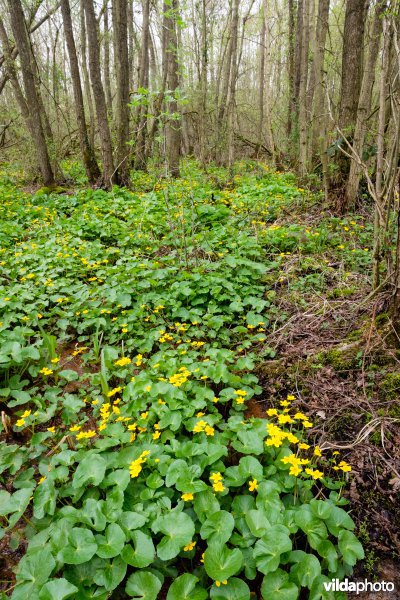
390	385
345	358
342	292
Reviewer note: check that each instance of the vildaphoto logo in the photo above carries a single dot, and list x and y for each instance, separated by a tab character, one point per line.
336	585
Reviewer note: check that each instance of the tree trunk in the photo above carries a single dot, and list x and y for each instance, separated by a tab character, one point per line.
303	120
141	120
317	146
364	105
352	63
85	73
122	70
32	96
173	134
109	174
88	157
291	70
107	77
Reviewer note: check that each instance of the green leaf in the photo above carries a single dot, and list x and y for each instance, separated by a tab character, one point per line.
350	547
328	551
142	555
306	570
36	567
311	525
268	549
218	527
143	585
221	563
235	589
90	470
6	503
81	546
178	530
257	522
57	589
185	588
339	519
110	574
112	543
276	586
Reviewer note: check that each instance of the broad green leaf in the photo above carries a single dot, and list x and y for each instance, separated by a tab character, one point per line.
185	588
257	522
142	555
338	520
143	585
235	589
311	525
350	547
81	546
218	527
111	573
306	570
36	567
111	543
268	549
276	586
178	530
57	589
90	470
221	563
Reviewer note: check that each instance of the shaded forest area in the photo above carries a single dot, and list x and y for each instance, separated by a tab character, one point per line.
199	298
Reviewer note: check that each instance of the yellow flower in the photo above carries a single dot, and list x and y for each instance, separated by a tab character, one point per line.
26	414
144	415
147	388
123	361
46	371
200	425
189	547
219	583
271	412
156	435
20	422
218	486
200	414
209	430
290	397
51	429
216	477
55	360
187	496
75	428
114	391
241	392
282	419
41	480
253	485
295	470
284	403
307	424
317	451
304	446
314	474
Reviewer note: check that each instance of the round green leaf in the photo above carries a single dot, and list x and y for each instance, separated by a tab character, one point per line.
90	470
306	570
81	546
221	563
218	527
178	530
350	547
185	588
142	555
143	585
112	543
235	589
57	589
276	586
269	548
110	574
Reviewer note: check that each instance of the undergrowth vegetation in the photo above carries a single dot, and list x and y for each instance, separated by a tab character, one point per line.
130	326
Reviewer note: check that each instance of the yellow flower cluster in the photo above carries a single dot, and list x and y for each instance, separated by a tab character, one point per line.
189	546
46	371
179	378
277	436
203	426
123	361
240	396
114	391
85	435
139	360
136	465
165	337
296	464
342	466
217	484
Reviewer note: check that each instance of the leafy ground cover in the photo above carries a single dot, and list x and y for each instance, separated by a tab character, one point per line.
147	448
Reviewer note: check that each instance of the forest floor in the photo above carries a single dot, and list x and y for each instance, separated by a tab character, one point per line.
256	265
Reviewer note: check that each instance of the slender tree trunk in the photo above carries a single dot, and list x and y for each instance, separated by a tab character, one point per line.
88	157
317	145
173	134
122	70
233	80
32	96
291	65
110	175
141	120
364	105
85	73
303	120
107	76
